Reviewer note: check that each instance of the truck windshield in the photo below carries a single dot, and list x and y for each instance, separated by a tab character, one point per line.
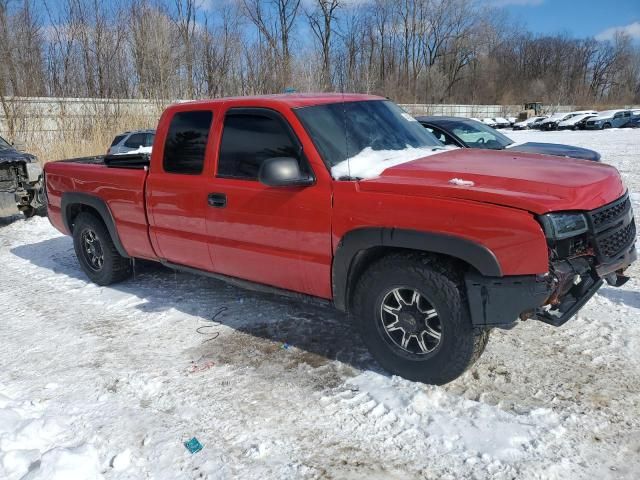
368	130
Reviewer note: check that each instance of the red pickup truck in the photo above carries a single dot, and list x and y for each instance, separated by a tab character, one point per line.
349	199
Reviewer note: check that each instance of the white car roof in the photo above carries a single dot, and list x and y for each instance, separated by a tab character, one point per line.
577	118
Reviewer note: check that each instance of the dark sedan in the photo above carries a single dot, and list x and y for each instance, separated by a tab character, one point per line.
467	133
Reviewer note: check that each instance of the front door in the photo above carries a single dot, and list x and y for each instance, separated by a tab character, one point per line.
279	236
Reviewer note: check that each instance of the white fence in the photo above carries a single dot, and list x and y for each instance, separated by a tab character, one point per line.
23	118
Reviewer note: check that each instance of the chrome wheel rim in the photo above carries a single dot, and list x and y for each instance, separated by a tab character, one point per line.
92	250
410	321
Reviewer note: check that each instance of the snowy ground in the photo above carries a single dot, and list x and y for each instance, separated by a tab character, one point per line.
108	382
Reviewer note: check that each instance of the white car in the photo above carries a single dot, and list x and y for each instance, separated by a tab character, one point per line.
552	122
137	141
525	124
502	122
489	121
576	122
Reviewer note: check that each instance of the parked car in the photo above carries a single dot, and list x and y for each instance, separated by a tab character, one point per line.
131	141
347	198
609	119
512	121
536	123
526	124
21	176
490	121
577	122
633	123
466	133
552	122
501	122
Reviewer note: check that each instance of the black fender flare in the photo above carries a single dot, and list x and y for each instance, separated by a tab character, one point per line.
69	199
355	241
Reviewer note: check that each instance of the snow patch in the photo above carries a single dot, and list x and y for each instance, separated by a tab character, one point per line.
461	182
35	446
370	163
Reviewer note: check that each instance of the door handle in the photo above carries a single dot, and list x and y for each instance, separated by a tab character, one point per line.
217	200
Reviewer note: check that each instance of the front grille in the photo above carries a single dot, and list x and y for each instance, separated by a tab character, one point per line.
6	175
613	229
608	214
618	241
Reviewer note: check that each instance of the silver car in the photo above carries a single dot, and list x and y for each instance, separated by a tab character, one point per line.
130	141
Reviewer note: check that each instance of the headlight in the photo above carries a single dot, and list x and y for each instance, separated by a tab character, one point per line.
558	226
34	170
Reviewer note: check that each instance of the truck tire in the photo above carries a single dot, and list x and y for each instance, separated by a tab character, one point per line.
96	252
413	316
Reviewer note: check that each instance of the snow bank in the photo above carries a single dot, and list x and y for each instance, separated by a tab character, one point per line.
36	446
370	163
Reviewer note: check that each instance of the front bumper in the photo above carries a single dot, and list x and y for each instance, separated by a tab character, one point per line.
556	296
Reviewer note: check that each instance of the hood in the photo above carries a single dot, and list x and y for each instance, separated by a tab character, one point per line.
11	155
557	149
536	183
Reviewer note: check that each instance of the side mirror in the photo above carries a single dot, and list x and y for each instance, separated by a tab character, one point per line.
283	172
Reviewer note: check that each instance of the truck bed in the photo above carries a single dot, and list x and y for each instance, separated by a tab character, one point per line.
119	182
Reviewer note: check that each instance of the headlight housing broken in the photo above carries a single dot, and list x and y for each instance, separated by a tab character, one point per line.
558	226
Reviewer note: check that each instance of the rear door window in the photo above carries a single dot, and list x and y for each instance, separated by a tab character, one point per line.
186	143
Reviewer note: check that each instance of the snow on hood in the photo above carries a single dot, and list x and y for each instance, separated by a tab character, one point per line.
370	163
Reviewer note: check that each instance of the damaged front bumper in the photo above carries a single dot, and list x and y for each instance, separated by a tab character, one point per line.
551	298
607	251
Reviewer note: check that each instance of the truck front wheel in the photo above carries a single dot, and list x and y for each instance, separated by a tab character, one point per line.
414	319
96	251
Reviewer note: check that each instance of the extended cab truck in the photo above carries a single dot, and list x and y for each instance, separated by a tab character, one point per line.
348	198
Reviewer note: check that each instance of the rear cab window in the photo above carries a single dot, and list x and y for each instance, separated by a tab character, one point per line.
186	142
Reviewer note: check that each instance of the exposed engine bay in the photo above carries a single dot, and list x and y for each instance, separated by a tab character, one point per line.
21	175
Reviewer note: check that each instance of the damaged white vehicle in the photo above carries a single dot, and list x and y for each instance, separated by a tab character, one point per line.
21	176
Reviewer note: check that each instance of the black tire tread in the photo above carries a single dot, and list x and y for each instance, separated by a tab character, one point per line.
116	268
471	342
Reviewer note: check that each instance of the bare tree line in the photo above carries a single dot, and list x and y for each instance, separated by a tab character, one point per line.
414	51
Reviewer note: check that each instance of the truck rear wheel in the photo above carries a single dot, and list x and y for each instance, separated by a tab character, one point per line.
96	251
414	318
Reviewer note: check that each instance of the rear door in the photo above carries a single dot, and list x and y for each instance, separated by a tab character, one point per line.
279	236
178	188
